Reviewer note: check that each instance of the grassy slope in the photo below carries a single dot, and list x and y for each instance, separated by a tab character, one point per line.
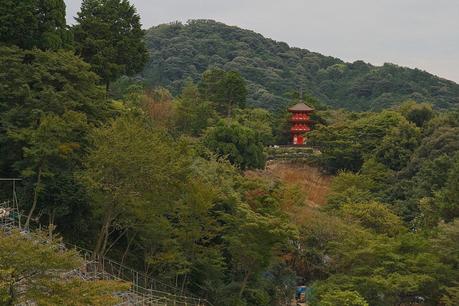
315	184
311	181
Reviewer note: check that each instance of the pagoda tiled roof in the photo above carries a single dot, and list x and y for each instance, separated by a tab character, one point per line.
300	107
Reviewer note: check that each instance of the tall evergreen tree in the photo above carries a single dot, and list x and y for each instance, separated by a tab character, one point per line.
108	35
48	101
34	23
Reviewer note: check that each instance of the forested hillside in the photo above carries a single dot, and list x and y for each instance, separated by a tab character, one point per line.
173	183
273	69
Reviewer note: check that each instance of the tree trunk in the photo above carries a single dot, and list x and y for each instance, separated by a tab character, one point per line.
35	196
115	241
51	226
100	239
183	283
244	283
107	88
127	248
230	106
103	233
104	245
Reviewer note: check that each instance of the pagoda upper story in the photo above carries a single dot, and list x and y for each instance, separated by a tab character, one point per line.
300	122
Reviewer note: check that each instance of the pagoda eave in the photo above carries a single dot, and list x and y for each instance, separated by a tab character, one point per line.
300	120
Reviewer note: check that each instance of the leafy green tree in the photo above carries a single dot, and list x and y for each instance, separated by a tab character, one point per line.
226	89
418	113
440	138
344	298
429	214
348	187
234	91
197	228
80	292
34	23
281	127
49	101
448	197
257	119
385	271
55	142
445	245
210	197
427	171
336	254
339	150
188	250
345	144
108	35
32	269
311	255
372	127
193	114
380	177
123	86
253	241
398	145
430	175
451	296
374	216
37	83
131	172
210	86
240	144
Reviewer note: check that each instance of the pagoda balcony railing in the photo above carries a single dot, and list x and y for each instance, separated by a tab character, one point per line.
300	129
300	120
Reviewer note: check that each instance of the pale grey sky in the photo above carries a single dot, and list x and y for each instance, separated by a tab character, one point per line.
414	33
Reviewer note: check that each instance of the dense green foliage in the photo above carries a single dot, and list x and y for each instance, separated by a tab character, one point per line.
226	89
179	213
193	114
345	144
145	179
241	144
345	298
34	24
48	102
160	183
396	162
391	207
108	35
32	269
273	69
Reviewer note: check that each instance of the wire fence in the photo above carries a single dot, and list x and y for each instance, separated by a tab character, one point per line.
144	290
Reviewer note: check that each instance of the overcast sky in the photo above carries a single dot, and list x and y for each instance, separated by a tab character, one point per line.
413	33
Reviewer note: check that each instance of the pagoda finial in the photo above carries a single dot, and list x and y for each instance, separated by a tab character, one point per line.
301	93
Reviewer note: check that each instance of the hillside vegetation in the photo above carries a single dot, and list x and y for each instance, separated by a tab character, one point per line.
273	69
159	182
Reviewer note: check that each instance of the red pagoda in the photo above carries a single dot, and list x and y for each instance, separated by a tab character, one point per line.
300	122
